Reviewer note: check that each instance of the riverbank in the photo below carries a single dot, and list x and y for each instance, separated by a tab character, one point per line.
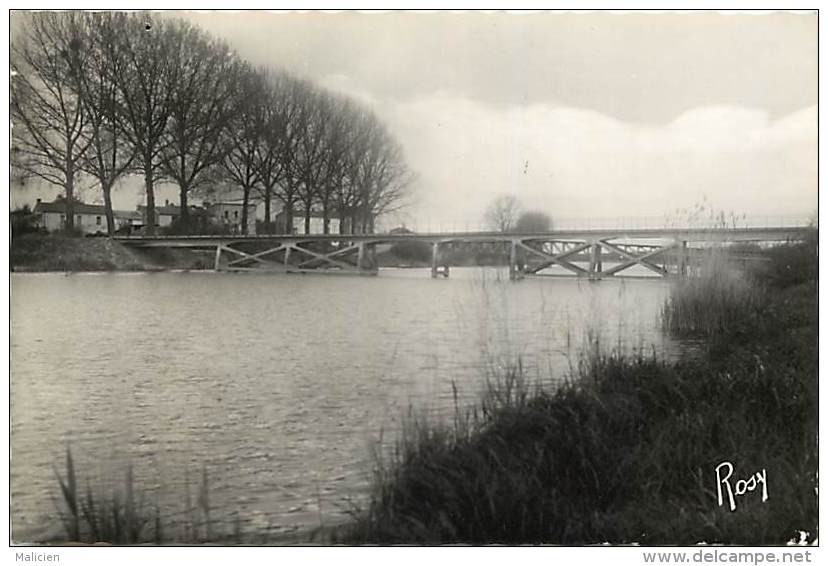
53	252
633	449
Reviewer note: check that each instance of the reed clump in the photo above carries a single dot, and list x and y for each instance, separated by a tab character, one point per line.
90	516
123	516
715	300
626	450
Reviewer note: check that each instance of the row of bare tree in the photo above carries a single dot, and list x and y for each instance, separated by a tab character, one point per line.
103	95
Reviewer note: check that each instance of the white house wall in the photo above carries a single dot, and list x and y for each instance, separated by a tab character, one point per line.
317	225
86	223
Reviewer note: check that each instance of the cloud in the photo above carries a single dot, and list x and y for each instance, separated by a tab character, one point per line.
580	163
637	66
577	162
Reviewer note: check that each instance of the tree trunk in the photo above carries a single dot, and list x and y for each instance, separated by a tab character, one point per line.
69	225
267	212
326	221
307	218
341	214
184	211
288	228
245	201
148	186
110	216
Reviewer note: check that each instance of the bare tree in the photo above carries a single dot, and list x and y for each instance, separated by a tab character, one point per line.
110	155
48	116
348	192
272	159
502	214
145	77
201	106
310	156
336	112
293	95
383	178
244	134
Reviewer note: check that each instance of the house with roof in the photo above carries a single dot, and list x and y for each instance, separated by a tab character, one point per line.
167	214
89	218
229	215
127	219
317	223
164	215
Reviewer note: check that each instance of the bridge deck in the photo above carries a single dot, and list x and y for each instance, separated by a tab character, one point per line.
662	251
681	234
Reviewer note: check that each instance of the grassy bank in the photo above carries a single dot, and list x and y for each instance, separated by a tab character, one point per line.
627	451
55	252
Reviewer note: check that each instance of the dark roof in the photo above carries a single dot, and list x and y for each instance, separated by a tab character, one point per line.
314	214
172	210
59	206
133	214
239	204
169	210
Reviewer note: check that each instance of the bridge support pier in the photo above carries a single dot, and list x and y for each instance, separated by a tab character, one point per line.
217	265
515	265
366	258
595	263
437	269
360	255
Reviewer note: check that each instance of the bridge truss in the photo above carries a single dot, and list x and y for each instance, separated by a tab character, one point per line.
591	254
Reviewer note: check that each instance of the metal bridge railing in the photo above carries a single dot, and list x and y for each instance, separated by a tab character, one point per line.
615	223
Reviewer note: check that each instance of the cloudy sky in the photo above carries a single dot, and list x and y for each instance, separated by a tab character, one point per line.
579	115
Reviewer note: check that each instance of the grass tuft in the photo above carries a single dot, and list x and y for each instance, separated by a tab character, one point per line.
122	517
91	517
626	450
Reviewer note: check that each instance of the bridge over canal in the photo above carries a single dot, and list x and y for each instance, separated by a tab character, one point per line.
592	254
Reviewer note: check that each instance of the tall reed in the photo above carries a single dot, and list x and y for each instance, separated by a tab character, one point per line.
93	517
123	517
714	299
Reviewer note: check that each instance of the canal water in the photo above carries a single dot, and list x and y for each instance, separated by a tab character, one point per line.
278	386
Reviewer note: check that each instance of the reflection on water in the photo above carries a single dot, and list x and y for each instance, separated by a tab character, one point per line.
279	385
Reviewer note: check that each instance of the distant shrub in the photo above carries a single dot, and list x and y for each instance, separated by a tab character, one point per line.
263	227
194	227
23	221
533	221
412	251
792	264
